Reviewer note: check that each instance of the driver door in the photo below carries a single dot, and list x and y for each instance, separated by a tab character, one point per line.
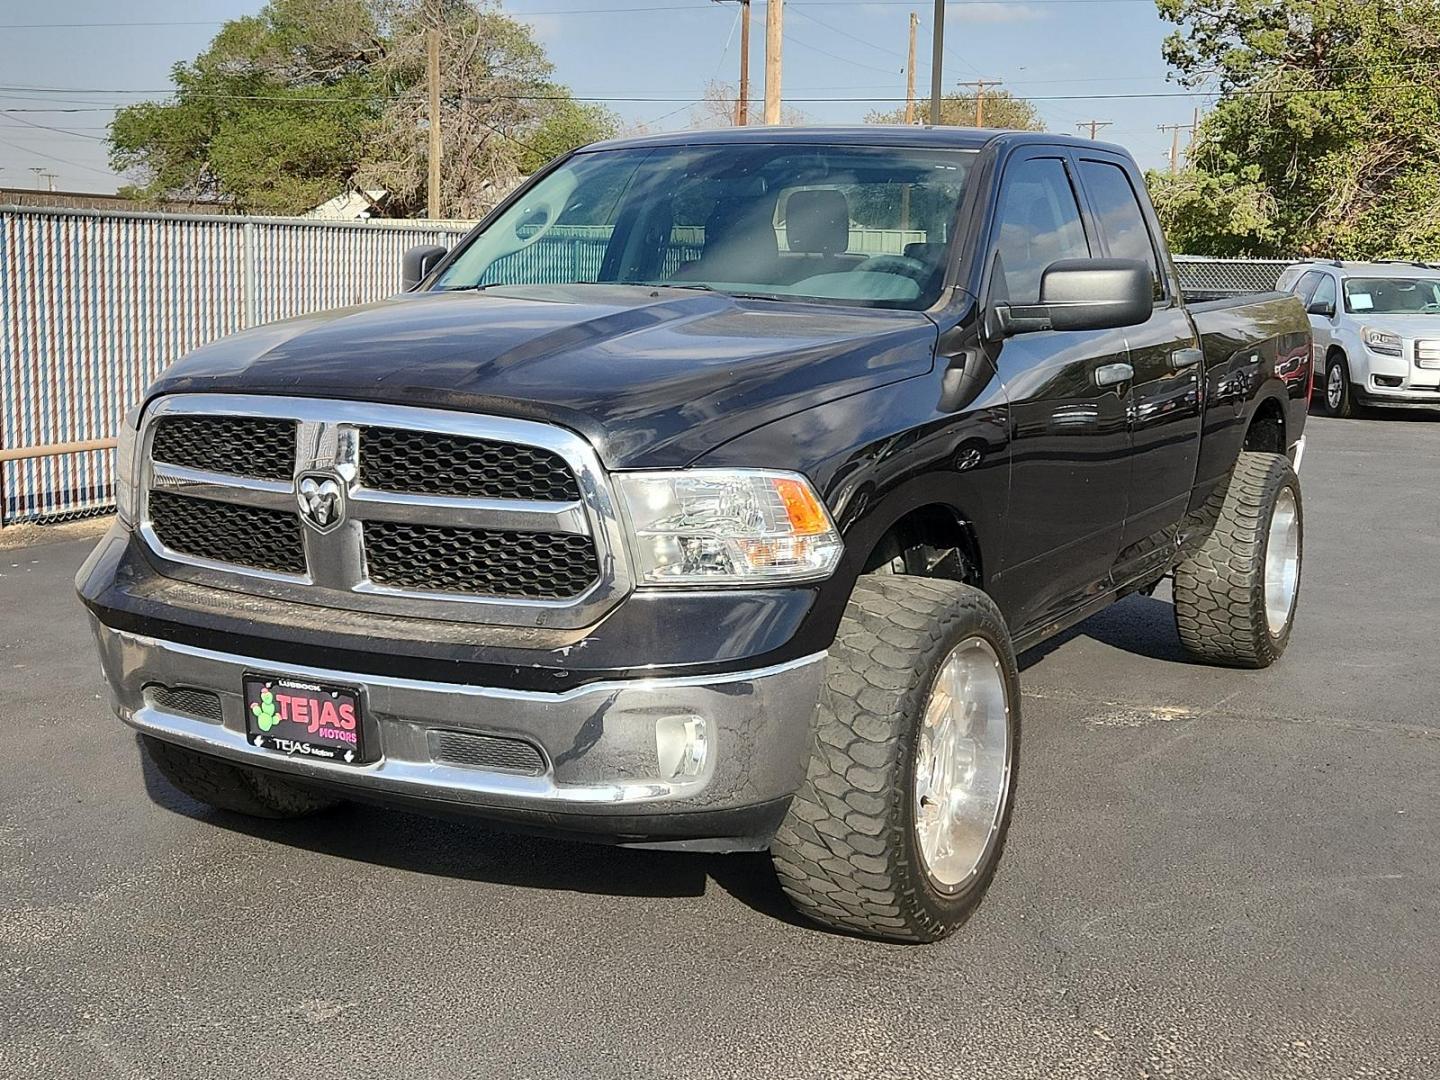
1069	436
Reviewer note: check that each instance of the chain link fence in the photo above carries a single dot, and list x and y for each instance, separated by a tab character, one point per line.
1229	277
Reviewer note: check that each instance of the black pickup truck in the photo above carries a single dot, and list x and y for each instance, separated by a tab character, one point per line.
701	498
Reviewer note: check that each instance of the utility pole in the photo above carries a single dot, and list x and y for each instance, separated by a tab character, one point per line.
1093	125
910	72
979	85
1175	130
50	180
37	170
937	61
432	78
774	42
742	108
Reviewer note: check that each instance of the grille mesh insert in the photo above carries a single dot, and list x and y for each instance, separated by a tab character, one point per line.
484	562
225	532
429	463
238	445
187	701
486	752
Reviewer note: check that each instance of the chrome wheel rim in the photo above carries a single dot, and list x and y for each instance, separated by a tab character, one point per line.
1282	561
962	765
1334	386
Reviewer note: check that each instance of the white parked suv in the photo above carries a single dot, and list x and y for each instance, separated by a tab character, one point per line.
1376	330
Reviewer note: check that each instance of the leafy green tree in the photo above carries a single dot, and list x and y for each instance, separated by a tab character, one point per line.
565	124
288	107
1325	137
957	109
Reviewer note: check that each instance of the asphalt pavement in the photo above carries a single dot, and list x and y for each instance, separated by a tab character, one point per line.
1210	873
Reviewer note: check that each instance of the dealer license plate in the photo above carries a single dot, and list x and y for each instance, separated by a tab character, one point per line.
304	719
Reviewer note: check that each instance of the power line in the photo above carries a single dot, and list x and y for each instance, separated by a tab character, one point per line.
852	37
791	39
62	131
55	157
858	99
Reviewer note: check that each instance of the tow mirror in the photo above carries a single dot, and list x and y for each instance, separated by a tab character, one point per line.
416	264
1084	294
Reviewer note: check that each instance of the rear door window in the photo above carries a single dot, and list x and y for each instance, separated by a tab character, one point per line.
1119	217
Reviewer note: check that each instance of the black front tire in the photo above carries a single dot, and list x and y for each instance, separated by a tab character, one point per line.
236	788
1221	610
847	853
1340	398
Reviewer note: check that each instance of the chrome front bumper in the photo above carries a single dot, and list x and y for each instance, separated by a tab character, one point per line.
599	742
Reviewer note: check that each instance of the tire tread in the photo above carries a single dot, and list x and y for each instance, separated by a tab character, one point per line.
842	852
1219	589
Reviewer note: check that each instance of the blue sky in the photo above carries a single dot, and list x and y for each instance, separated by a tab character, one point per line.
1077	59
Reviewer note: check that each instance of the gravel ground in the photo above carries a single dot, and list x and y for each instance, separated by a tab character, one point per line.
1210	874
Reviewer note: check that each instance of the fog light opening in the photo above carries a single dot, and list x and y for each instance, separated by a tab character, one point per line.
681	744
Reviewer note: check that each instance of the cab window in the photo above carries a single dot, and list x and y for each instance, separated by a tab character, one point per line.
1037	223
1119	217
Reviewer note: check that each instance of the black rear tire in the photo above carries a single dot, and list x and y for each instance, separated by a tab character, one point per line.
1220	589
847	853
236	788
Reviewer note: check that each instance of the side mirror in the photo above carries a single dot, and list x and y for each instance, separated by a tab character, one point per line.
1084	294
1323	308
417	263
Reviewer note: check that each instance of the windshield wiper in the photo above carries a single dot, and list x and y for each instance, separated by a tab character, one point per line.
702	287
696	285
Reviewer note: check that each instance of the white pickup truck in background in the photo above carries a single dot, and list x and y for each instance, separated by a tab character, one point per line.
1376	328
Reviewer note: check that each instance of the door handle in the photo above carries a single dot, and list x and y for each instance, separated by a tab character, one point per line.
1184	358
1113	374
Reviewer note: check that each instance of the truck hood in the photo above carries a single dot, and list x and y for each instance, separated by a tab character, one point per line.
1425	327
653	377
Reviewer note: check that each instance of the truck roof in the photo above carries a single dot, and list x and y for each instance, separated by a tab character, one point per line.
923	136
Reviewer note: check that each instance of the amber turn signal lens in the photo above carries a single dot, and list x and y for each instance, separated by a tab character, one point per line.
807	516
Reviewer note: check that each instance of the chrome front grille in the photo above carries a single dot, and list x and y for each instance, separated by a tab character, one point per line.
229	532
1427	355
482	561
382	508
238	445
433	463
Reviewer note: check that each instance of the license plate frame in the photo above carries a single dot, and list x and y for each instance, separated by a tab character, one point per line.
312	720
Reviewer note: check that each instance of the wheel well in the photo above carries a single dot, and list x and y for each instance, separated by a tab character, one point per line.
930	541
1267	428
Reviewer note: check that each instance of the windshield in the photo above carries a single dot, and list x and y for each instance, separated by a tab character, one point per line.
1393	296
866	226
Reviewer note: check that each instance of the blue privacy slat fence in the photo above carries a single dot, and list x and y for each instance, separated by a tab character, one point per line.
93	305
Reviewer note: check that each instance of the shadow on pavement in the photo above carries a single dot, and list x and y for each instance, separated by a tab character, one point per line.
469	849
1141	625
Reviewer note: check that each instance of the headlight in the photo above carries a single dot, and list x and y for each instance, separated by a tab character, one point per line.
125	466
1382	342
727	527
